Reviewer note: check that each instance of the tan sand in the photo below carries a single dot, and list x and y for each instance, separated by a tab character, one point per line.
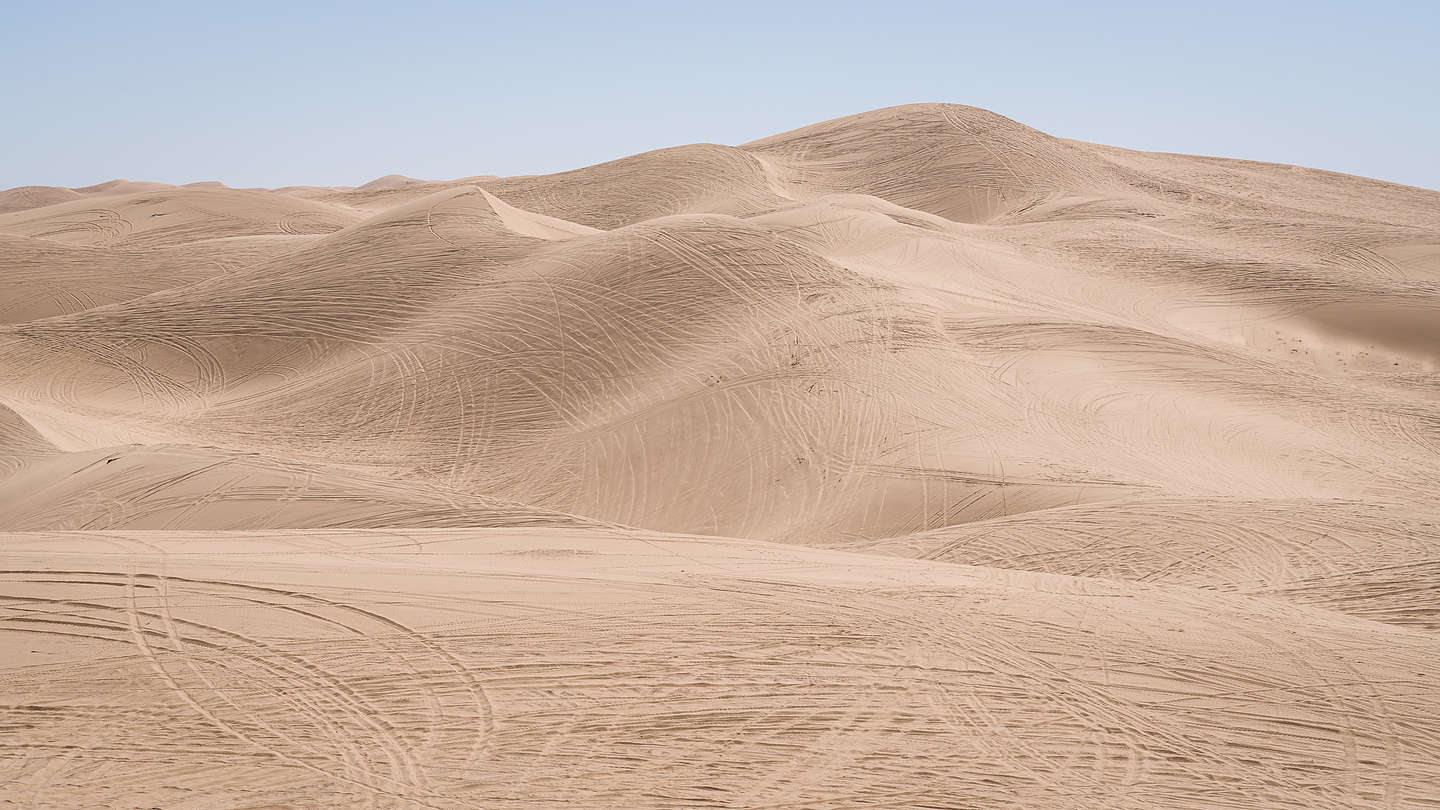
914	459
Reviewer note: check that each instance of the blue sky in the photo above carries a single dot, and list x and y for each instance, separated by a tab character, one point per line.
269	94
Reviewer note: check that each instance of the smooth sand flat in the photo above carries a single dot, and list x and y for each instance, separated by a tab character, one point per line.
915	459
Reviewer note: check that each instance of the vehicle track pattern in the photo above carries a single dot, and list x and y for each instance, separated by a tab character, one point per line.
915	459
642	670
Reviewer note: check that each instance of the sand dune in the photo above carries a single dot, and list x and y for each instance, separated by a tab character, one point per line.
1367	559
168	217
27	197
961	163
911	459
48	278
188	487
20	443
391	181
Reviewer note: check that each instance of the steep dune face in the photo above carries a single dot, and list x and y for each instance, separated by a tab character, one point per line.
20	443
912	459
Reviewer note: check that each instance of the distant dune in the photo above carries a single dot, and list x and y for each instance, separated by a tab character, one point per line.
391	181
913	459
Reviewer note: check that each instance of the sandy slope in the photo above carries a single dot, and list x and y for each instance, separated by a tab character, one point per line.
160	487
912	459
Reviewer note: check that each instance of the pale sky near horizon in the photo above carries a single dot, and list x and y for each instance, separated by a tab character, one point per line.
272	94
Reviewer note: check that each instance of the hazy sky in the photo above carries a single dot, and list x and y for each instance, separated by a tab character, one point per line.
269	94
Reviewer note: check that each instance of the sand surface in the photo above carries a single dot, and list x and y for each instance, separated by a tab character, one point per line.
915	459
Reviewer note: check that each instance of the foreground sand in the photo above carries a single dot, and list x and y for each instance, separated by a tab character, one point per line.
915	459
